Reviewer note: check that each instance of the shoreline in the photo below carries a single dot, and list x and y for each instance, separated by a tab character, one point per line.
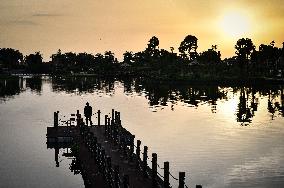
168	79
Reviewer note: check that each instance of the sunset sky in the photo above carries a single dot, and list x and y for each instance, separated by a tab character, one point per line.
118	25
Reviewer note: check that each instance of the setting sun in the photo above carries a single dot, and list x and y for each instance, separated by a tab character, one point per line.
235	24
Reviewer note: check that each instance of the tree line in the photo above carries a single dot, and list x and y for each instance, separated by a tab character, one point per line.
266	61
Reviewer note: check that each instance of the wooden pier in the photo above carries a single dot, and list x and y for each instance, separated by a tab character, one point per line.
108	154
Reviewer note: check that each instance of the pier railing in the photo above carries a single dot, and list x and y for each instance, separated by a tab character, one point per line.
125	141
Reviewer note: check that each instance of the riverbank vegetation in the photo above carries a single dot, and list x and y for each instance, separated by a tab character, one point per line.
187	64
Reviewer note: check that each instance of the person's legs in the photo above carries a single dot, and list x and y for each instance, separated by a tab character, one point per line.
87	121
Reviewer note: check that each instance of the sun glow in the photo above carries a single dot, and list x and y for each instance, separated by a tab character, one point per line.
235	24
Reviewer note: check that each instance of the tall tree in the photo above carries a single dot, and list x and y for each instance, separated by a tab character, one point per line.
153	47
188	47
153	43
244	47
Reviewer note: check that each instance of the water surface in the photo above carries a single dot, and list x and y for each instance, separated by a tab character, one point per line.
221	136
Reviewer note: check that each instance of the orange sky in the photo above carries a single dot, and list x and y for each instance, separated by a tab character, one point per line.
119	25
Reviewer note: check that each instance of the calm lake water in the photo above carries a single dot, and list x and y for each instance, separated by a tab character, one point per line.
221	136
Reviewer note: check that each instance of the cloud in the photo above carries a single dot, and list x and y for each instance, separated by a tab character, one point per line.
45	15
23	22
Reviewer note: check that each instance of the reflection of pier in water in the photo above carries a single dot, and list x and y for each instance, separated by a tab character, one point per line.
106	156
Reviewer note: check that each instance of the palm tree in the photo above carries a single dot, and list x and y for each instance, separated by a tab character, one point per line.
214	47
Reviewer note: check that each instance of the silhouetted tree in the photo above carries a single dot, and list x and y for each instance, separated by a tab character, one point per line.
269	52
267	60
153	44
69	58
84	59
244	49
10	58
99	58
57	58
34	62
128	57
188	47
209	56
109	57
140	58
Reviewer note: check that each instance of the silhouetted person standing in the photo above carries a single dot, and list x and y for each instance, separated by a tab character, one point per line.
88	113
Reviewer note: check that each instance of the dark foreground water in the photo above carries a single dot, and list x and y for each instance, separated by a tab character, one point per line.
221	136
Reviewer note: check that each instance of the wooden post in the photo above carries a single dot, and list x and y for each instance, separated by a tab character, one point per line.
154	169
144	164
106	116
125	181
78	116
112	116
118	118
166	174
56	119
99	117
108	127
138	154
115	117
114	129
198	186
138	149
181	180
132	147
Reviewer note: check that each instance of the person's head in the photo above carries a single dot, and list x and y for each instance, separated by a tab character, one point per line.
87	104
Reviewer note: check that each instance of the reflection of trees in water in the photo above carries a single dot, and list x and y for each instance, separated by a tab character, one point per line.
275	102
10	87
82	85
164	94
34	83
15	85
161	94
245	110
248	102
